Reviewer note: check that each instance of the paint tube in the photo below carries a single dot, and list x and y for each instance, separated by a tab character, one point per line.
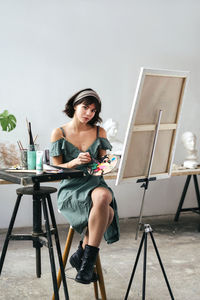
39	162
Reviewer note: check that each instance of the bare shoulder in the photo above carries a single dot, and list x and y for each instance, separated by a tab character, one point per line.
56	134
102	132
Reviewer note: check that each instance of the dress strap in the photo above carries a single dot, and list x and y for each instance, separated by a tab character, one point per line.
97	131
63	131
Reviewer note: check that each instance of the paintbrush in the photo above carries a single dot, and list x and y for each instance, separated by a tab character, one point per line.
35	138
20	145
31	143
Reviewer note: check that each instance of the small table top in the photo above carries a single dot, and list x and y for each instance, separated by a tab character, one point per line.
25	178
183	171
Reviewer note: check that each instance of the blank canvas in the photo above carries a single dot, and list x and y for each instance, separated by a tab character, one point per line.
156	90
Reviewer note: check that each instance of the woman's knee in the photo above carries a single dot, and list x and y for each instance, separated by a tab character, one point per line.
101	197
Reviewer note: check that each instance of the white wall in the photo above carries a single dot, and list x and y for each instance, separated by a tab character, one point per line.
50	49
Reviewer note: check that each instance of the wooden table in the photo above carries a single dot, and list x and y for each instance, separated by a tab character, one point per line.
190	173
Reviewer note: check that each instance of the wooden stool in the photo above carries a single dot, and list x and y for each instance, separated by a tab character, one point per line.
98	268
41	202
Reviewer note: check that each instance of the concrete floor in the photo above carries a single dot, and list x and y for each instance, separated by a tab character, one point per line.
177	243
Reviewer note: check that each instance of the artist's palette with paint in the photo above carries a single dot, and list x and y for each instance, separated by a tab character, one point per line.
104	167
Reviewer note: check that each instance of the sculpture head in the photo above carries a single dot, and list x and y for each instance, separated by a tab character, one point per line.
111	128
189	140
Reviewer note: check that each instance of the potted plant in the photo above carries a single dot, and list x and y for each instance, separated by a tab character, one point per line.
8	152
7	121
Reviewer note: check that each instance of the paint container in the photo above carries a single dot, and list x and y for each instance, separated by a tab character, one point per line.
31	160
23	159
46	157
39	162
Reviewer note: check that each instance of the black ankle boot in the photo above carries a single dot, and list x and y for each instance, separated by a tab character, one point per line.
76	258
86	273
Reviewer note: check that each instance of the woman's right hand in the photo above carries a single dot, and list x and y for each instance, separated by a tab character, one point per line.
83	158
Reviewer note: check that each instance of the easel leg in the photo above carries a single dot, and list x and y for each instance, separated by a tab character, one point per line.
182	197
135	265
144	267
161	265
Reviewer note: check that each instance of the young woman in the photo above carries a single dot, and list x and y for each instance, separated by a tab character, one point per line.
86	202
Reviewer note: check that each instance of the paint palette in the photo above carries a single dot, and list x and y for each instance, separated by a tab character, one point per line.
101	168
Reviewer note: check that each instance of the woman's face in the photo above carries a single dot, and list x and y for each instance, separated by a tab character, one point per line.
85	113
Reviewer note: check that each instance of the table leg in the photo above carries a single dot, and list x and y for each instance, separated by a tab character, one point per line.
197	190
182	197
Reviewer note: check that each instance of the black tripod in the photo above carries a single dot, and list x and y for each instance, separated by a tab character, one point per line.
147	229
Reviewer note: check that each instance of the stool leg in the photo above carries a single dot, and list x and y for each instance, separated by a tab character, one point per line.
65	255
100	278
50	247
12	221
96	294
58	246
37	231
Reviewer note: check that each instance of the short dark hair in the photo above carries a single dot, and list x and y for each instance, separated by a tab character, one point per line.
69	106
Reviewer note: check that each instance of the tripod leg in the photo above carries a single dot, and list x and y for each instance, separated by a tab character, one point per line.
144	266
161	265
134	268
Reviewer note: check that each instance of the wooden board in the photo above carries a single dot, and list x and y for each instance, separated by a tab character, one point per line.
156	90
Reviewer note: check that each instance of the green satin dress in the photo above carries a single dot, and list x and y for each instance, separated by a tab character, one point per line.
74	195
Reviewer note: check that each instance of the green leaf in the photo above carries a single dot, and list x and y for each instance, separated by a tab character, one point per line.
7	121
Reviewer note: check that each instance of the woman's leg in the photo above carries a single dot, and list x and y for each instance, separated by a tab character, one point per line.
86	237
101	216
76	258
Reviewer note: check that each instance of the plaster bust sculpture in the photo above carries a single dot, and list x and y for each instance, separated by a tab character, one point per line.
189	142
111	128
